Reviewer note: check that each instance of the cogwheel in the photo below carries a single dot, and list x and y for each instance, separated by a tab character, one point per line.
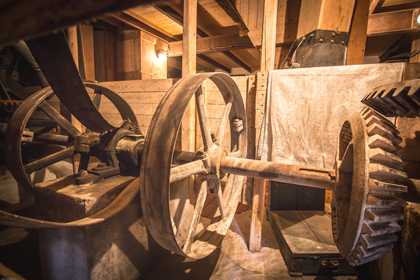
396	100
366	210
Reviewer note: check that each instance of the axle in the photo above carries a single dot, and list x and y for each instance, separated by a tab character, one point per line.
279	172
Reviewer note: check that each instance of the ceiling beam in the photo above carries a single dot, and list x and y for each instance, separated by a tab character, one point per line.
404	21
232	56
206	26
23	20
229	7
375	5
218	43
136	23
213	62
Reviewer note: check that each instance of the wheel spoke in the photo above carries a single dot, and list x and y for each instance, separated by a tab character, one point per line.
222	128
345	164
198	209
48	160
202	118
59	119
186	170
220	200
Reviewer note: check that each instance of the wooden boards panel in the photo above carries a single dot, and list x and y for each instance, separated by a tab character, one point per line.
142	95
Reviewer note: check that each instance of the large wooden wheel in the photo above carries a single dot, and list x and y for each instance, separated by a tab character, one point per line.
192	220
367	211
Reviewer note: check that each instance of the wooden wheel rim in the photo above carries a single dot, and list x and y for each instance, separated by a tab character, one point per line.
157	159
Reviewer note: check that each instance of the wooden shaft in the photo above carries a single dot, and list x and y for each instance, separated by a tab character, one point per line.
278	172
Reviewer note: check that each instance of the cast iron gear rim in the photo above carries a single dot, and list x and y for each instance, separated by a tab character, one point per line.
396	100
366	211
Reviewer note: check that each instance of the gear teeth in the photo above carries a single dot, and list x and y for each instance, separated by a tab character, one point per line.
383	209
377	155
370	242
401	96
383	215
384	173
378	141
396	100
378	229
378	188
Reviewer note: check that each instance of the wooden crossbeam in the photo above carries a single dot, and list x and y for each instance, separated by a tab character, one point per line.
404	21
206	26
136	23
231	10
375	5
218	43
22	20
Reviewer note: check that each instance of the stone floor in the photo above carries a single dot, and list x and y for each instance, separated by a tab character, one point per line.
233	261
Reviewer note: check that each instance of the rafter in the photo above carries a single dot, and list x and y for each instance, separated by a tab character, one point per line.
206	26
136	23
404	21
39	17
218	43
231	10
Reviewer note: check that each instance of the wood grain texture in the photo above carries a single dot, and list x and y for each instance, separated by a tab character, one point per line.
357	36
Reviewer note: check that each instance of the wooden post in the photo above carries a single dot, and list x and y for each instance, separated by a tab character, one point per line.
87	51
73	43
189	46
358	33
268	54
74	48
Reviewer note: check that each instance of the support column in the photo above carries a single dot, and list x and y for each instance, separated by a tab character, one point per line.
72	34
189	47
268	53
323	32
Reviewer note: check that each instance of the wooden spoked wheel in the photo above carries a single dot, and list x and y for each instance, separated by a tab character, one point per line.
192	219
59	139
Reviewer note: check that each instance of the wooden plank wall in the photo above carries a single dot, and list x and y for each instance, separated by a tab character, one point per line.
142	95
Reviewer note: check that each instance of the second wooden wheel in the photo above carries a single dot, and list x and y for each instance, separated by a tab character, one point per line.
191	219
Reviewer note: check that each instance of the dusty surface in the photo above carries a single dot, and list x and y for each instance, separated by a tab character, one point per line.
233	261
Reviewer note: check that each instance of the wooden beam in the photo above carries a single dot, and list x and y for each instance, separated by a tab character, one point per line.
287	22
415	50
358	33
23	20
381	24
237	59
134	22
332	15
218	43
189	38
375	5
268	53
87	52
268	47
231	10
189	57
73	41
212	62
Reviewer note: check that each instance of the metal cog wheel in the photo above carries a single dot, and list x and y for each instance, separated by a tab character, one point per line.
366	210
396	100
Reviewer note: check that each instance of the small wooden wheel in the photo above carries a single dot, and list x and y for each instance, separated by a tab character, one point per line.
183	218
